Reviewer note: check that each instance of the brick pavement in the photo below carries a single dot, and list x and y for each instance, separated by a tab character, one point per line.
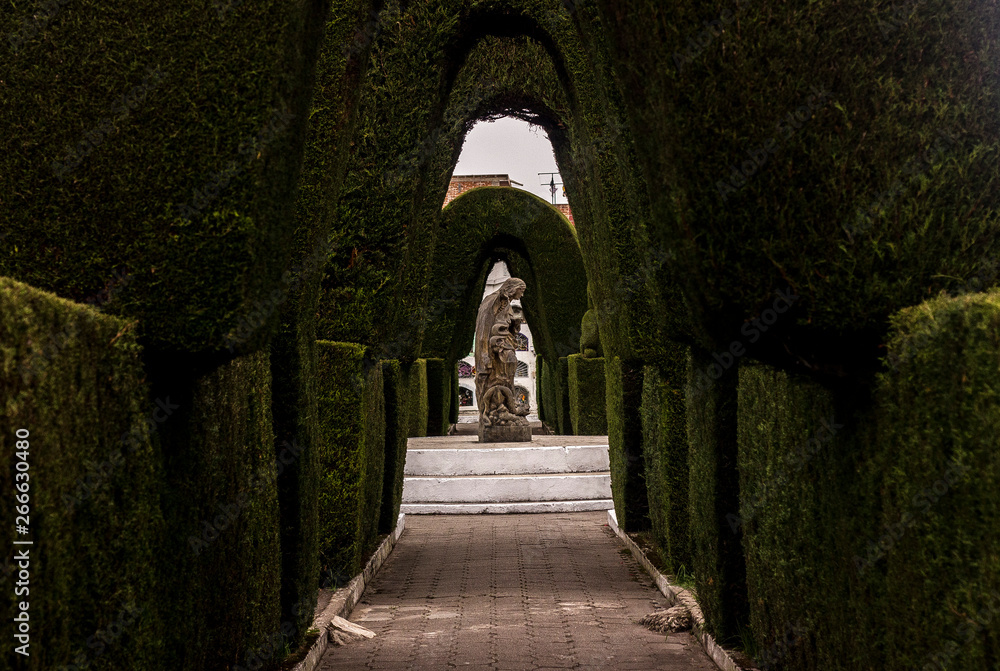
517	592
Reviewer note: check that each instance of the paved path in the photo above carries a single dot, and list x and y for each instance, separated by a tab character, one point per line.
514	592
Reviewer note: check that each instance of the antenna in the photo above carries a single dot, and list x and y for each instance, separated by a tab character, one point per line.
552	184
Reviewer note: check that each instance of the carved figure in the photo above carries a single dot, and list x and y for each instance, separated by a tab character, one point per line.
496	360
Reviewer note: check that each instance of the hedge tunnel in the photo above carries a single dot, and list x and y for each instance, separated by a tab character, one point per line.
205	191
538	244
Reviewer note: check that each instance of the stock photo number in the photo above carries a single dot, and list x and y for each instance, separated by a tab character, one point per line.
22	525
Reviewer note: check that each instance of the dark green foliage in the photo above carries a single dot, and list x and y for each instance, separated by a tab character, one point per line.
809	485
72	378
716	548
222	559
562	397
665	452
417	398
540	387
540	247
550	394
293	372
134	164
394	378
352	429
865	208
587	396
438	397
939	421
590	339
453	409
628	473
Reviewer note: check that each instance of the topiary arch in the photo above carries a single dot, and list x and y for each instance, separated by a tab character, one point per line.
539	245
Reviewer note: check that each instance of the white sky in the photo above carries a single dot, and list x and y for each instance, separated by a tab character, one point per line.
511	147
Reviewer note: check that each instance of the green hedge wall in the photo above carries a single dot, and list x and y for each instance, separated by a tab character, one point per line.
438	397
202	238
395	378
296	437
562	397
539	388
352	429
716	548
587	396
73	379
809	487
222	561
550	394
864	186
939	420
417	398
665	452
453	408
628	476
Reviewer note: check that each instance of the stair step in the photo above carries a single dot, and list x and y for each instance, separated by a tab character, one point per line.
507	488
507	460
505	508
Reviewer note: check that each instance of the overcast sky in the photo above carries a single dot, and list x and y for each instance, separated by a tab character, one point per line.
510	147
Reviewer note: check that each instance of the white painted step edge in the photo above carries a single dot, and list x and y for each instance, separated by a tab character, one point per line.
506	508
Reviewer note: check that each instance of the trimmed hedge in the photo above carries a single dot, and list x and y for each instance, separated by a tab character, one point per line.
539	387
939	418
395	378
550	394
665	452
453	409
860	192
192	189
73	379
562	397
352	429
296	439
438	397
716	548
587	396
809	485
417	398
222	560
628	477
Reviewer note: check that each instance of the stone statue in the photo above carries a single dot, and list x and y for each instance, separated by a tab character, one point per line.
502	418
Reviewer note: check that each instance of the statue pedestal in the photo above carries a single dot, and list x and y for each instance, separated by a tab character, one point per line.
510	433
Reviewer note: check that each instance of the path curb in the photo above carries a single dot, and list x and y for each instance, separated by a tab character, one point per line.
346	598
678	596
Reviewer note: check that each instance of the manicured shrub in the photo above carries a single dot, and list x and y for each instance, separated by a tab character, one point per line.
222	559
628	475
192	188
395	377
587	396
809	488
806	112
71	387
417	398
939	418
438	397
539	388
562	397
716	547
665	452
352	430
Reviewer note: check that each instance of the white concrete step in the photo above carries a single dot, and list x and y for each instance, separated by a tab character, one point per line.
442	461
505	508
507	488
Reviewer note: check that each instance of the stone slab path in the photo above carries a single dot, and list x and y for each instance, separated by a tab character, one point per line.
517	592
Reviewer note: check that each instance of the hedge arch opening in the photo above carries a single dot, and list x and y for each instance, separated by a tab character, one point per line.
539	245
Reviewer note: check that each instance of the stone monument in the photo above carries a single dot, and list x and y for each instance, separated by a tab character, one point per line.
502	417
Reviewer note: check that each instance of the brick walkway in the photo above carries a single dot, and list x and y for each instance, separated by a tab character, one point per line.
512	592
